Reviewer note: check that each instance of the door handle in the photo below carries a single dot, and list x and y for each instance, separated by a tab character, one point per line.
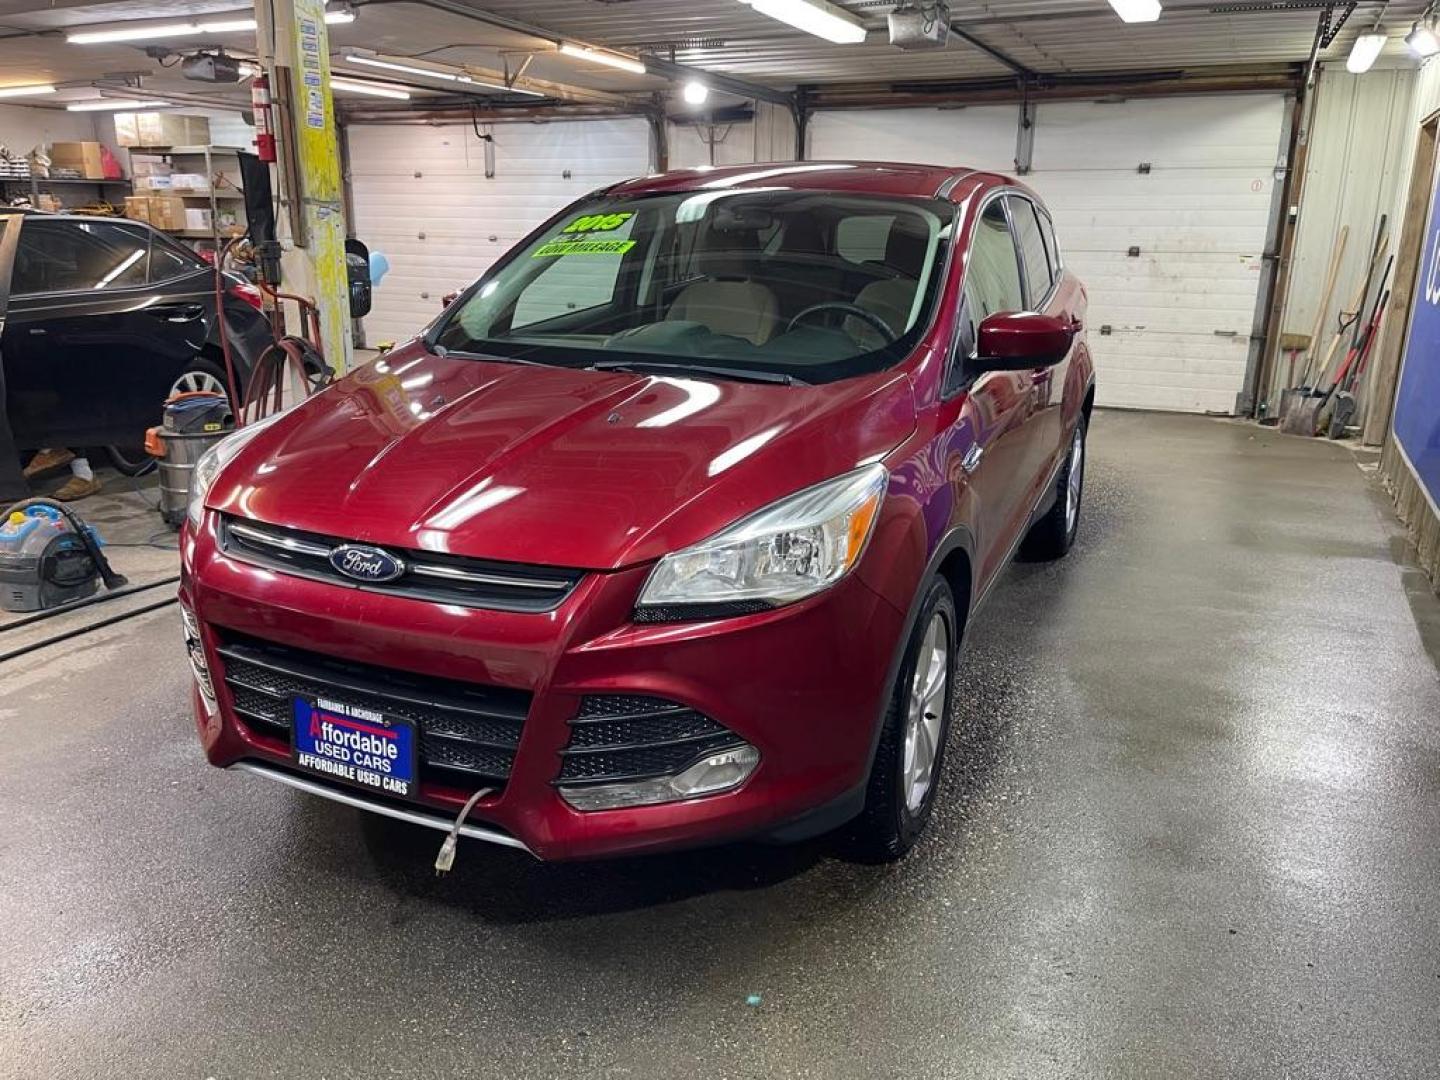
177	313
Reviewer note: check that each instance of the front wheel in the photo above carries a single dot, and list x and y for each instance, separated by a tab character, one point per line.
1054	534
908	759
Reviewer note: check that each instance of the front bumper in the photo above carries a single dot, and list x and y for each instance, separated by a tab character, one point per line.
802	684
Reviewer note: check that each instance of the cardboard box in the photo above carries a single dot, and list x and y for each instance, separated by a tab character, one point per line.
190	183
143	166
83	157
199	219
166	212
153	183
137	207
161	129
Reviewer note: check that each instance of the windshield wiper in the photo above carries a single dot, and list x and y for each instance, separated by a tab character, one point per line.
458	354
642	367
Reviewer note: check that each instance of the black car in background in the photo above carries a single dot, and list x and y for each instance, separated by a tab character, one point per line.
103	320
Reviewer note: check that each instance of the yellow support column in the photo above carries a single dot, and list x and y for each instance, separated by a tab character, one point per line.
295	47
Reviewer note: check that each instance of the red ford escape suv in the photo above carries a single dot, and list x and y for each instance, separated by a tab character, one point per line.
666	532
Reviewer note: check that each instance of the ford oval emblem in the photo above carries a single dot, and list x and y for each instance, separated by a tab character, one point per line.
369	564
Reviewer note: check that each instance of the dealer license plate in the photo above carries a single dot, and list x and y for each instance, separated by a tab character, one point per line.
355	745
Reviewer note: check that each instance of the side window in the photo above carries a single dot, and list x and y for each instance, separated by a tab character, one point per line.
1032	244
992	279
862	238
574	279
72	256
1047	228
169	261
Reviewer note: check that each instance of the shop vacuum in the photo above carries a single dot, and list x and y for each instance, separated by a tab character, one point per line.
49	557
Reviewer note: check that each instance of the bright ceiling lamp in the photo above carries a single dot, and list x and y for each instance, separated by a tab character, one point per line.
814	17
1423	39
1364	52
1136	10
442	73
599	56
189	28
114	105
25	91
356	86
695	92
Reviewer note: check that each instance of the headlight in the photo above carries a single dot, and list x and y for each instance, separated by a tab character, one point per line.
215	459
792	549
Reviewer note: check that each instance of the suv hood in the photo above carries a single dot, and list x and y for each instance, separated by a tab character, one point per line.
548	465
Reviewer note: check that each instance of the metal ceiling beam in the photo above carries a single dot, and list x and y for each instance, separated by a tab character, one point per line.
992	52
727	84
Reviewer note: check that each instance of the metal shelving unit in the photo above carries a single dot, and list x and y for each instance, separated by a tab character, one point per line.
213	198
36	184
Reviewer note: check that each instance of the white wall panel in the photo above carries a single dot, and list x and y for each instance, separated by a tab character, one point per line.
1179	314
422	197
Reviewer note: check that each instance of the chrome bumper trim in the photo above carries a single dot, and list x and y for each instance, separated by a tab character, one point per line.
414	817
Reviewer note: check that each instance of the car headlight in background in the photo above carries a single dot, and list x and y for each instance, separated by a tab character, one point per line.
790	550
215	459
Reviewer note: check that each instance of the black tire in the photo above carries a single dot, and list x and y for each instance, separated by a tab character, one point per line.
889	827
133	460
1054	534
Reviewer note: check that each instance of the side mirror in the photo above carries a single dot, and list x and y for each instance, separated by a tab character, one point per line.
357	273
1018	340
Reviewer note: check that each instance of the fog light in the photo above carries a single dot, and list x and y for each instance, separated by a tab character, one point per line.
196	651
722	771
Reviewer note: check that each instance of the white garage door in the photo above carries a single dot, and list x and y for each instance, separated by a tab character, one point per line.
1170	326
422	197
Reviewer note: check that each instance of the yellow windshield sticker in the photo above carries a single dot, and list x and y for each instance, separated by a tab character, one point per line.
597	223
583	247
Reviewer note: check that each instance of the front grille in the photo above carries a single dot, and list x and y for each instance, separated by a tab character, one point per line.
467	732
617	738
428	575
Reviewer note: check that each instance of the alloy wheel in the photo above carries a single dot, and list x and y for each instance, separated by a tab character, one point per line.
193	381
1076	479
925	718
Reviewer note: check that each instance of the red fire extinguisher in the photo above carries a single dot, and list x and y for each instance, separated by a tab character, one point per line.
264	123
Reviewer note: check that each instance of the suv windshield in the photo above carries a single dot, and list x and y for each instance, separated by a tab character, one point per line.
807	285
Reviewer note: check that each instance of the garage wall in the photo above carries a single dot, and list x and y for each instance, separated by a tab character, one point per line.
422	198
1354	171
1170	327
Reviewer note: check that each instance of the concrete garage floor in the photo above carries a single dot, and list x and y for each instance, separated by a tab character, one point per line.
1190	829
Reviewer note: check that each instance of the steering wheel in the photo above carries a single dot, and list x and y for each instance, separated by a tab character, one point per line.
849	309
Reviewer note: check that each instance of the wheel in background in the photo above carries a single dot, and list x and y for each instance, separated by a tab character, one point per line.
201	375
1054	534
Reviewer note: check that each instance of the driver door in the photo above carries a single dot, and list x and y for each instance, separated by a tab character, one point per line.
987	440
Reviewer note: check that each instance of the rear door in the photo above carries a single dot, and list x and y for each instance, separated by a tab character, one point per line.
91	348
1043	293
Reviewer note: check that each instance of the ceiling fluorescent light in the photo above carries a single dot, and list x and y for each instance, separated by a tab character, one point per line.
609	59
1422	39
443	74
814	17
191	28
1136	10
25	91
1363	54
109	104
354	86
